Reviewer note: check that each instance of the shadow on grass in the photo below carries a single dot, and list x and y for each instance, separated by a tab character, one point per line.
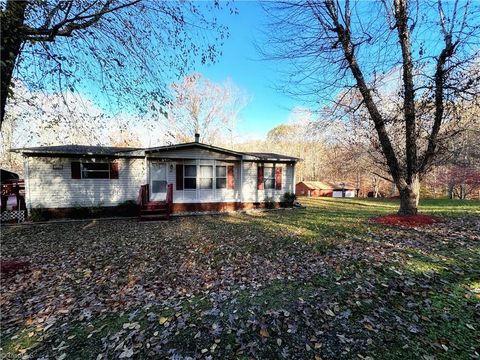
430	288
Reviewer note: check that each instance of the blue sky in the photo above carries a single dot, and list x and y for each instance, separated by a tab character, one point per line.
242	63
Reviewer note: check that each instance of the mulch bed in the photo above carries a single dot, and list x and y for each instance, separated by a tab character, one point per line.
406	220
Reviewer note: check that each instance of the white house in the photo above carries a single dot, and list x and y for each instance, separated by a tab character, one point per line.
189	177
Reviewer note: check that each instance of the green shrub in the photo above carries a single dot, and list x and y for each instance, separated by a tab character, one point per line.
288	199
269	202
80	212
127	208
40	214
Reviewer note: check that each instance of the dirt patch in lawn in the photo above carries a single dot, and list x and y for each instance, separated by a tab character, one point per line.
406	220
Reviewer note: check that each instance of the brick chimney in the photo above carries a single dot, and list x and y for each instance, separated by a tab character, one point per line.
197	137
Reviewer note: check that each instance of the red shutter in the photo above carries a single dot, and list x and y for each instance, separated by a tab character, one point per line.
260	177
114	170
230	177
278	178
179	177
76	174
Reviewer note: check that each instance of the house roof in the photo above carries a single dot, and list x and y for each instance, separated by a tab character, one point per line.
75	150
271	156
192	144
8	175
314	185
327	185
65	150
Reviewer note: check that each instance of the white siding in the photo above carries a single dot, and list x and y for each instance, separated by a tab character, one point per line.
55	188
339	193
250	174
249	190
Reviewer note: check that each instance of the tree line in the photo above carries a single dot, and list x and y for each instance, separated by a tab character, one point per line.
397	79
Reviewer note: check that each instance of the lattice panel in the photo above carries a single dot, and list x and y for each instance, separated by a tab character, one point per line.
18	215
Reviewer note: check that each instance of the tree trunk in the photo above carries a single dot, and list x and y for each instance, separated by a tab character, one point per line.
409	197
12	21
376	184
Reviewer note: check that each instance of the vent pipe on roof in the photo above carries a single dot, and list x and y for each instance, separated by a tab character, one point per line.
197	137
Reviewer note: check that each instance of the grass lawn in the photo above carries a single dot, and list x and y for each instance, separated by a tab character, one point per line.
318	283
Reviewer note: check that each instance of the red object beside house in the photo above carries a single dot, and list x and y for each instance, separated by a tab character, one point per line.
12	191
13	266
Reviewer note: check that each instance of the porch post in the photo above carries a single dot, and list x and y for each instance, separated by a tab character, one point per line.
28	198
147	170
294	183
241	181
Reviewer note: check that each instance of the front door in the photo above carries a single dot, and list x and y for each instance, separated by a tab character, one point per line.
158	181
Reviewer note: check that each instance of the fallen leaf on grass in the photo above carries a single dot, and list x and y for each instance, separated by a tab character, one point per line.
329	312
127	353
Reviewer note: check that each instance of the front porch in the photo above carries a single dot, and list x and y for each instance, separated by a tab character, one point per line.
155	209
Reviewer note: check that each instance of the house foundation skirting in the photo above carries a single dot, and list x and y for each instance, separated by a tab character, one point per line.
44	214
217	206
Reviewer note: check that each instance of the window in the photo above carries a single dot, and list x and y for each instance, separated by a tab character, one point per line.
206	177
190	179
221	177
159	186
95	171
269	176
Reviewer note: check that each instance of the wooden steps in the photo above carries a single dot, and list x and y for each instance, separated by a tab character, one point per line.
155	211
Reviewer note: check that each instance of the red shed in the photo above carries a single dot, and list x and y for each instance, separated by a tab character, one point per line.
321	188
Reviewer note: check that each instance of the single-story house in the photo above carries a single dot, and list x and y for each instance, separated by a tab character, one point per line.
328	189
189	176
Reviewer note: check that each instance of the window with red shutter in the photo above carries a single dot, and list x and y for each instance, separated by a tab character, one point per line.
278	177
268	176
230	177
95	170
76	172
260	177
114	170
221	177
179	176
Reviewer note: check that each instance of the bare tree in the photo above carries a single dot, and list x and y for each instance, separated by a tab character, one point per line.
124	52
331	45
202	106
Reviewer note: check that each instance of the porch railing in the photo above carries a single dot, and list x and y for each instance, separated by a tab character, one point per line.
13	188
144	195
170	198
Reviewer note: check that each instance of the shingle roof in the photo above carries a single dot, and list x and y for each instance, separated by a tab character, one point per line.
327	185
8	175
318	185
271	156
133	152
75	150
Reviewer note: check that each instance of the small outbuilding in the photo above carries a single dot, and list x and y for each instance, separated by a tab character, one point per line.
327	189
